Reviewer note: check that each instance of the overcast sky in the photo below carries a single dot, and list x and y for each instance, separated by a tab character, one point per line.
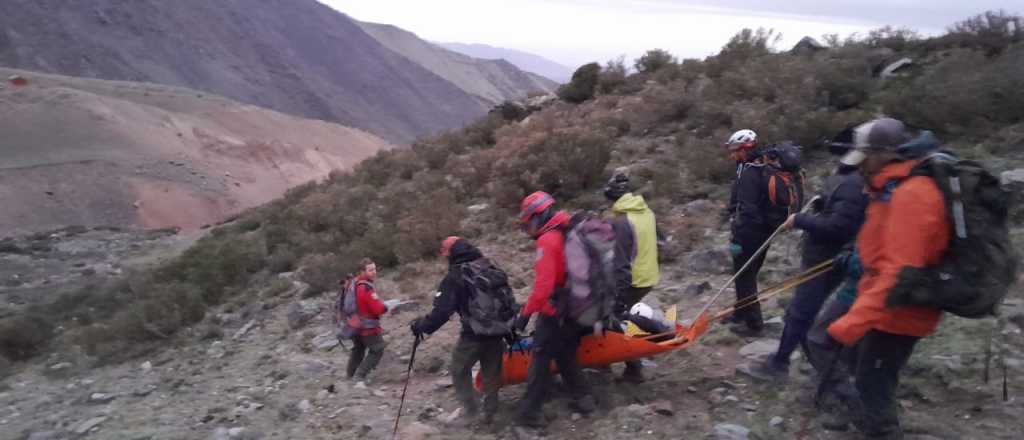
574	32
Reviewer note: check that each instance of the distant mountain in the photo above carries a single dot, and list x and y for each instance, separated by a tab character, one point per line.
116	153
523	60
493	80
296	56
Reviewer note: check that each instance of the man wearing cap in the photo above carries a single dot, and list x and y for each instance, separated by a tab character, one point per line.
833	224
453	296
636	253
906	226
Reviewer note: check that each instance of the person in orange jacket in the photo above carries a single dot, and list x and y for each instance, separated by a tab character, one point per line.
906	226
554	339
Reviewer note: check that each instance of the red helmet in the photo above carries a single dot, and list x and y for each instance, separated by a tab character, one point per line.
534	204
446	245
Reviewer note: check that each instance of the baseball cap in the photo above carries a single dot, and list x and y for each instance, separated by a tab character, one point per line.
883	134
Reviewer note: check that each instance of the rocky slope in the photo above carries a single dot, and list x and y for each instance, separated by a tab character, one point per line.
524	60
270	368
294	56
91	152
493	80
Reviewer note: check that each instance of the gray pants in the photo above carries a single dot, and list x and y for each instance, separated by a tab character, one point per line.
365	355
469	351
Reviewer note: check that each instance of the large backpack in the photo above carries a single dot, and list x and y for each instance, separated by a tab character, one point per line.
590	272
786	183
348	309
492	304
980	264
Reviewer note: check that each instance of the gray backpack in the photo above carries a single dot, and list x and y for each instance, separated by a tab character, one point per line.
980	265
590	272
491	306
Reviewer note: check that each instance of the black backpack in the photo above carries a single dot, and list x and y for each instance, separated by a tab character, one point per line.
491	306
980	264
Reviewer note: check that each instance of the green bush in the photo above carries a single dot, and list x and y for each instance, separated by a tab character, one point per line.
612	77
583	84
654	60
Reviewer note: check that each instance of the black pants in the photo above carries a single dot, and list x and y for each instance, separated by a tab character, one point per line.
833	362
746	283
365	355
880	358
552	341
806	304
629	299
468	351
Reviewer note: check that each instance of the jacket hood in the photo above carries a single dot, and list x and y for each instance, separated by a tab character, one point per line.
892	172
559	220
463	252
630	203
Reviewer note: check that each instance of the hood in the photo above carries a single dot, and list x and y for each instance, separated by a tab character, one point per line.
630	203
893	172
559	220
463	252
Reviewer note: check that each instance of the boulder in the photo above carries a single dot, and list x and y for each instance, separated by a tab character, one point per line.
88	425
301	313
326	341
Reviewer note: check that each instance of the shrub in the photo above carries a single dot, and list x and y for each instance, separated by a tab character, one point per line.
992	32
654	60
21	337
323	272
612	77
583	84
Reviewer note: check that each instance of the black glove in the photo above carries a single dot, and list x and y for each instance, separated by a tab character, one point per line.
520	323
415	326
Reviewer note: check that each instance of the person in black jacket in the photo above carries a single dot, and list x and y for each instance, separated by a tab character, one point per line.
453	296
754	220
836	223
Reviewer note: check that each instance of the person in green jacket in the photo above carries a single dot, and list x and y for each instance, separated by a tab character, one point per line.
636	253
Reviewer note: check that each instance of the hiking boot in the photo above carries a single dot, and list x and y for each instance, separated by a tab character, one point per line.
533	420
487	419
584	405
765	371
633	374
836	422
746	330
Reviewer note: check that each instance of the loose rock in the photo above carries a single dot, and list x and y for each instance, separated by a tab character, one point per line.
759	348
88	425
729	431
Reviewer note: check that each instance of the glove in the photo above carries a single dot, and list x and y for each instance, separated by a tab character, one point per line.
520	323
415	326
735	249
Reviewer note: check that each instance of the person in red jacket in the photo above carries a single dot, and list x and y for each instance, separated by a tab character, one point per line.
553	339
906	226
368	345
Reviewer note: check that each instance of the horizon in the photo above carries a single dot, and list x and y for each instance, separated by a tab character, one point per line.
686	28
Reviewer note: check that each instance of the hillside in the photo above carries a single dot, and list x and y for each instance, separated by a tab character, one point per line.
524	60
93	152
233	339
294	56
494	81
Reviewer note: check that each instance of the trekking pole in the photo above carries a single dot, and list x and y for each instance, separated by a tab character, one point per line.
408	376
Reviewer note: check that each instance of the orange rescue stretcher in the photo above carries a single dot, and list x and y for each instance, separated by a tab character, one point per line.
610	347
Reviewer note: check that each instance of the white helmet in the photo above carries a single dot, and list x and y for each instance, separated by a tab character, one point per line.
642	309
745	139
